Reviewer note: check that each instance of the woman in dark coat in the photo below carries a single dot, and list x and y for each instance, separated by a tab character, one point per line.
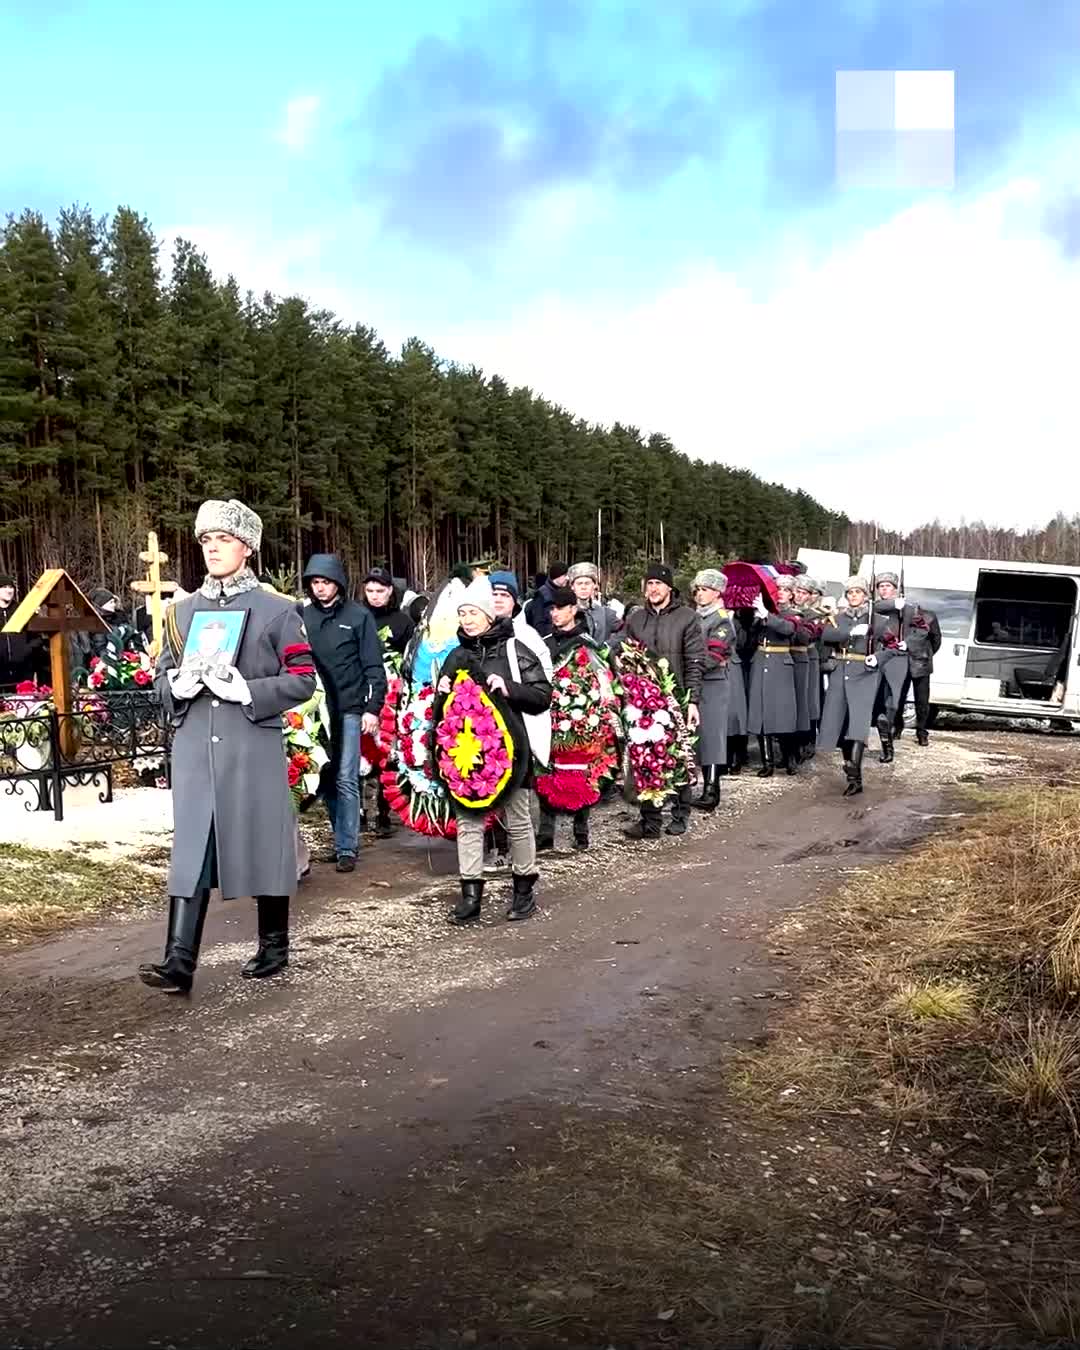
514	677
853	685
719	678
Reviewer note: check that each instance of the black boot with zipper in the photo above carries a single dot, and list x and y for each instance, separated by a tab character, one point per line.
710	788
885	732
273	952
467	908
176	973
524	902
853	769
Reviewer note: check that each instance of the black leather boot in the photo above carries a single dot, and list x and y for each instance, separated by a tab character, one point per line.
787	754
710	789
581	830
884	727
273	953
765	747
176	973
922	738
853	769
468	907
524	902
545	835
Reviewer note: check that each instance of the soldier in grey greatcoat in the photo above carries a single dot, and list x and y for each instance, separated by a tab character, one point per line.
719	675
807	595
234	824
600	621
854	684
892	660
771	704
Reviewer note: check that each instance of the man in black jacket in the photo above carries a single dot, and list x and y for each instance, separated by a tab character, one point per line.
669	629
348	657
382	599
23	656
538	610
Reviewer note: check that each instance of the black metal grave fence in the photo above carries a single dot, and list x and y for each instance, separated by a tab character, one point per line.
43	751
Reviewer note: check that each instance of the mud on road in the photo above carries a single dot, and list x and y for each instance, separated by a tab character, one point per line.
266	1165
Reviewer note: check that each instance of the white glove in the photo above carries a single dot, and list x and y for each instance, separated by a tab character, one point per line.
900	602
184	683
871	663
760	608
842	604
901	646
860	630
229	686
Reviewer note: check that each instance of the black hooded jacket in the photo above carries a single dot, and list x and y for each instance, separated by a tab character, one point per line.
392	624
344	643
20	653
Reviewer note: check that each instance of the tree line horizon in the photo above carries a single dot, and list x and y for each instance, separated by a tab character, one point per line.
128	397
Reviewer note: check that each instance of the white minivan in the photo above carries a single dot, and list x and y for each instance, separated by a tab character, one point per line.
1009	633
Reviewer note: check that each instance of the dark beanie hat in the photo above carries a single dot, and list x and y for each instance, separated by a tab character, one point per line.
6	579
561	596
558	569
661	572
506	581
379	574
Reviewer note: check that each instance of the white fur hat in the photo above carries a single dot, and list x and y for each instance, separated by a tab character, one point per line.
479	594
231	517
584	569
857	584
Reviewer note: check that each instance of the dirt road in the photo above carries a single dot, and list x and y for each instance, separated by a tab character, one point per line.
253	1167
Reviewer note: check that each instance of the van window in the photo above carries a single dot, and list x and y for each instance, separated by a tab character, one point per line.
1018	609
953	610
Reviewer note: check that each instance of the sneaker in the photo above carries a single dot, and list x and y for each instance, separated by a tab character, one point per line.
346	863
383	828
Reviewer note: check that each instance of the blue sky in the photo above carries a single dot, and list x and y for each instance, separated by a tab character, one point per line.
629	207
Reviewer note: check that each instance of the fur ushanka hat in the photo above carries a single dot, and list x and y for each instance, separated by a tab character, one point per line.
231	517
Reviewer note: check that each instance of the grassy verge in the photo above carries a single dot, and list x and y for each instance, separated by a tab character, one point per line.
895	1167
44	890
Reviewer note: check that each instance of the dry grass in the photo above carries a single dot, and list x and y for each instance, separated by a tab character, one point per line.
43	891
935	1000
949	978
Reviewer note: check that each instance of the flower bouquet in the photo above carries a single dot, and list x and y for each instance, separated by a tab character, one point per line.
585	730
410	782
125	662
306	733
661	747
474	750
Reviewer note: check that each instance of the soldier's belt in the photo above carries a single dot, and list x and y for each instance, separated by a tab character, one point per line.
767	647
799	649
850	656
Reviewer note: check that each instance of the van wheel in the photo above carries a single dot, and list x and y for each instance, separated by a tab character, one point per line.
931	715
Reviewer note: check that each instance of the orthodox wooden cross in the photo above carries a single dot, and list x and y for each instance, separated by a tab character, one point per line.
154	588
57	607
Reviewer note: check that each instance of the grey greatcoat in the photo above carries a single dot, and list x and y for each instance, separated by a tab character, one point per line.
895	669
814	657
737	711
228	761
853	687
771	706
720	680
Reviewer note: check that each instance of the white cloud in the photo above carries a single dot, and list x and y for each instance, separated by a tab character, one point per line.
299	121
927	368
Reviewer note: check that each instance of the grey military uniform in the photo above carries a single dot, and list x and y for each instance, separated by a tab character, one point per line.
228	761
853	686
771	706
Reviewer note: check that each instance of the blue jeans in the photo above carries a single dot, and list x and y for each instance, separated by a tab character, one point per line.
343	802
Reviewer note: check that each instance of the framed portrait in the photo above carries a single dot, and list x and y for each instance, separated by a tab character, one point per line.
214	638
